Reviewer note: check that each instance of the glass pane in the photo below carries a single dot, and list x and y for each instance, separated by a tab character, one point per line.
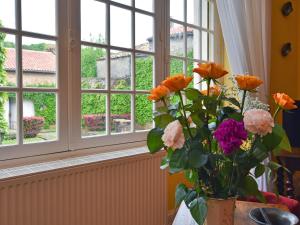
211	48
193	14
146	5
144	71
144	32
211	15
204	46
193	43
177	39
39	117
93	112
177	9
120	70
39	16
92	31
190	66
125	2
176	66
8	118
204	13
7	13
120	25
93	68
143	113
9	77
39	62
120	113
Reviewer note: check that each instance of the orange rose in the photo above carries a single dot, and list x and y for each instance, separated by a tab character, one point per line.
158	93
284	101
210	70
213	91
177	82
248	82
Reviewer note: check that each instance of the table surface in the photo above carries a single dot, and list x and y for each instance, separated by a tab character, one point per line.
243	208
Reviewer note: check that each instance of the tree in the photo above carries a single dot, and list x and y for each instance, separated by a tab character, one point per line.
89	57
3	82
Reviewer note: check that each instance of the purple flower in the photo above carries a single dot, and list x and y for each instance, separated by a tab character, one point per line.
230	135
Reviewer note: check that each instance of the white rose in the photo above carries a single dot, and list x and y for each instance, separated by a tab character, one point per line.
173	136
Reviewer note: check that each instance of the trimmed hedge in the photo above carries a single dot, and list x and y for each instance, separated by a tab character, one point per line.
97	122
33	126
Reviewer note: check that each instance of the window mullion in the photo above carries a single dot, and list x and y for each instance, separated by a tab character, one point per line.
133	72
108	86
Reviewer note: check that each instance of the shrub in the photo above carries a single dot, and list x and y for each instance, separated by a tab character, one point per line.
33	126
97	122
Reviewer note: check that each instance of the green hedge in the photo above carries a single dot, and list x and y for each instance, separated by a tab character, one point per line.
44	103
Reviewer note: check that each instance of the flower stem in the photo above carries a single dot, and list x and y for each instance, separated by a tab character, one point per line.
184	115
276	112
231	178
165	103
243	101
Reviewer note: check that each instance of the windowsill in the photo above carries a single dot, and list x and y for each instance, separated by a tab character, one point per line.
68	159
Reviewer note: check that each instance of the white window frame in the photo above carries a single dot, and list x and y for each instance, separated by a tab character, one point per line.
69	76
61	144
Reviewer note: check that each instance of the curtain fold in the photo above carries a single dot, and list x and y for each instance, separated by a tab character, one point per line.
246	27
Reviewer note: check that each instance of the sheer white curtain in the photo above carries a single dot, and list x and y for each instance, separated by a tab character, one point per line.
246	28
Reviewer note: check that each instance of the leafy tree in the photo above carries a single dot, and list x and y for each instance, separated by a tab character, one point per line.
3	81
36	47
89	57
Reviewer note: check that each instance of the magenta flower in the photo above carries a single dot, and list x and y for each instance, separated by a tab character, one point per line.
230	135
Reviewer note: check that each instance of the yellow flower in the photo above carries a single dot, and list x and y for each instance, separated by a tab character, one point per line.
284	101
158	93
213	91
248	82
210	70
177	82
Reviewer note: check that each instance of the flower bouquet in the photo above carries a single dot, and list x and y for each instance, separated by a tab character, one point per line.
219	145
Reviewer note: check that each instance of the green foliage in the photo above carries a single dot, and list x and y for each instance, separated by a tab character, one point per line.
154	141
198	210
144	73
36	47
3	82
89	58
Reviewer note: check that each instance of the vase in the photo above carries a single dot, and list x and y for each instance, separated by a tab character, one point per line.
220	211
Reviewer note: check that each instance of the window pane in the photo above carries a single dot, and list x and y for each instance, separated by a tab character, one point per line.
39	16
120	70
211	47
143	113
7	13
204	13
190	66
204	46
8	118
193	15
146	5
193	43
176	66
93	112
39	117
9	77
93	68
177	39
120	113
144	71
120	27
177	9
144	32
125	2
211	16
92	31
39	62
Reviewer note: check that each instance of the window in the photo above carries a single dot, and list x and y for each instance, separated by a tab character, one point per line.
77	75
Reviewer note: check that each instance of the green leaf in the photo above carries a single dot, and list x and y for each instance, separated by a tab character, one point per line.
198	209
192	94
178	161
259	170
164	163
180	193
197	120
284	145
191	195
196	158
163	120
154	141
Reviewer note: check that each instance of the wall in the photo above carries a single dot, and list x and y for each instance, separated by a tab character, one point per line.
33	78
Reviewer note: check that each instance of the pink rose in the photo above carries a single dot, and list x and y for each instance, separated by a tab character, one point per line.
173	135
258	121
